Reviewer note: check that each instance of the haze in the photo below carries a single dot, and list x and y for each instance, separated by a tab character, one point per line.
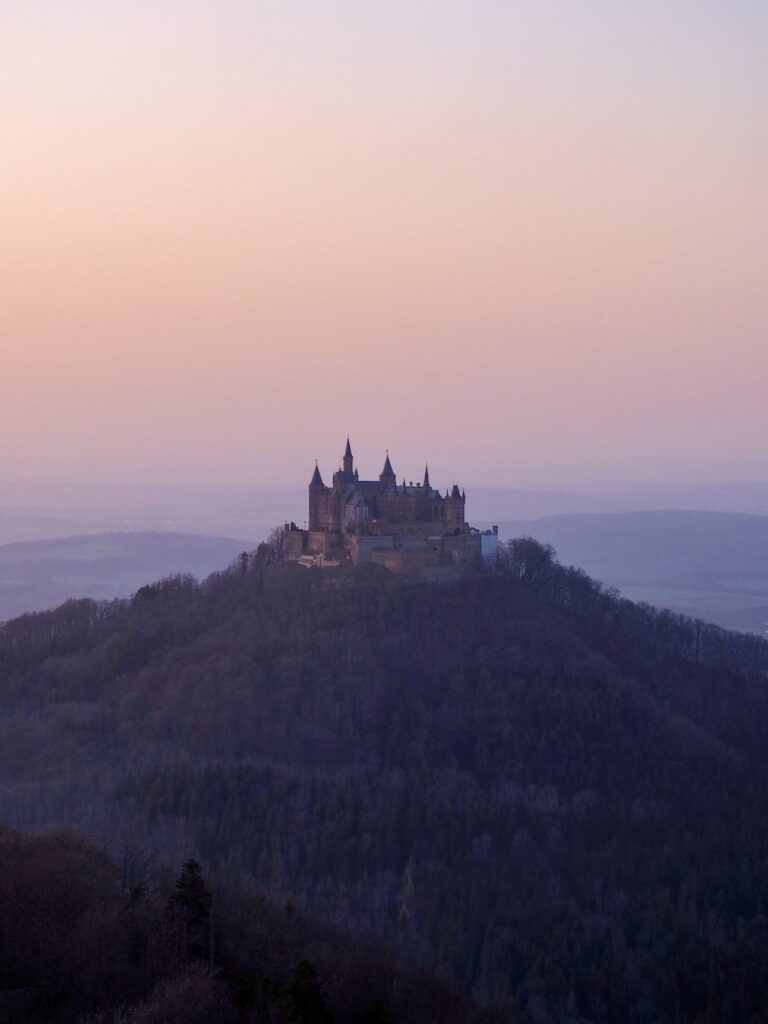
521	240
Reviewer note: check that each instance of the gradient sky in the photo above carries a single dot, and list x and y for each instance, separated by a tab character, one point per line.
524	240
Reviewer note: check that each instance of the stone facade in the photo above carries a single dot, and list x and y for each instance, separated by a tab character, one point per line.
408	528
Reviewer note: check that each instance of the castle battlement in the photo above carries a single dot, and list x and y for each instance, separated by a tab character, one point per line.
408	528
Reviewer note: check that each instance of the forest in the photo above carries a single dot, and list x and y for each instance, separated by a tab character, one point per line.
552	798
88	939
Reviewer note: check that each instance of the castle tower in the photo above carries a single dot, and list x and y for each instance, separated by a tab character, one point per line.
454	507
387	475
317	501
348	464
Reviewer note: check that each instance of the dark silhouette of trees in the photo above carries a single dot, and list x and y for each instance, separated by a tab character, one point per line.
68	935
189	913
554	797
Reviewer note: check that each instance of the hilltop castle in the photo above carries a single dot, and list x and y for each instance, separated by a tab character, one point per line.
406	527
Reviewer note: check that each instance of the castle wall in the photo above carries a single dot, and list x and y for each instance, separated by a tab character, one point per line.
362	548
322	542
294	543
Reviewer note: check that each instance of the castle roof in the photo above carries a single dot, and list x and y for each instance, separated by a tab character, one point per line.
387	471
416	490
348	452
356	499
317	480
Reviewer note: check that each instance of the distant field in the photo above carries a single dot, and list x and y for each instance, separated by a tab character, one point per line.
730	608
712	565
42	574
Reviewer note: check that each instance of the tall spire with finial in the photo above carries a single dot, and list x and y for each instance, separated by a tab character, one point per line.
426	477
348	461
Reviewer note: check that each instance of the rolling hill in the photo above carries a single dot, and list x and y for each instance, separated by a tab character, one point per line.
42	574
712	565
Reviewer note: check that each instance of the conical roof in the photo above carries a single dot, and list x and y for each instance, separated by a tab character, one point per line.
348	452
387	471
317	480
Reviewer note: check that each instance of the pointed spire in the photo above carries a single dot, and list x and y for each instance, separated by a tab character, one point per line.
348	462
387	472
426	477
317	480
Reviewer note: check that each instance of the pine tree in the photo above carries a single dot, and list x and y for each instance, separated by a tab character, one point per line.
305	995
190	908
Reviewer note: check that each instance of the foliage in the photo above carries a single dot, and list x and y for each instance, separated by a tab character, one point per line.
553	797
75	945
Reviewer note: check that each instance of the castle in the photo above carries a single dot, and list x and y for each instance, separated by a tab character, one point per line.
410	529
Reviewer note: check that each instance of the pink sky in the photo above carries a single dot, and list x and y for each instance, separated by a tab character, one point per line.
524	241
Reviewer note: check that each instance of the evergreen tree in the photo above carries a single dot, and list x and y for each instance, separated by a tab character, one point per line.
190	909
305	996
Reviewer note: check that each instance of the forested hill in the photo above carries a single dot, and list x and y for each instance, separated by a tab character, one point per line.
85	939
555	798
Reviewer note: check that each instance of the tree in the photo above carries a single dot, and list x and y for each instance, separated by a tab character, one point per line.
190	911
304	995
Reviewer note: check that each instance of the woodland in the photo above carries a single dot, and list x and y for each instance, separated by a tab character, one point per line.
547	797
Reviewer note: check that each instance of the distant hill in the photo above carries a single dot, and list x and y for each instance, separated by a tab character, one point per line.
43	574
712	565
554	798
40	511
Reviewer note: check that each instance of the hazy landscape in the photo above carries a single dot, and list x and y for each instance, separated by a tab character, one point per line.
701	549
710	565
383	512
42	574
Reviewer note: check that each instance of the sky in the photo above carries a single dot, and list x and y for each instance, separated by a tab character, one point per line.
525	241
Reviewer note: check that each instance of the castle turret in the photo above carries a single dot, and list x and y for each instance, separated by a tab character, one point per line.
387	475
348	463
317	501
454	507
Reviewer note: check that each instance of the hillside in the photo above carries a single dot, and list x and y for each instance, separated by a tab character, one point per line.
90	940
713	565
42	574
553	797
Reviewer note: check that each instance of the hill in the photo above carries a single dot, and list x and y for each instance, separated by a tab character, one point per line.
713	565
90	940
555	798
42	574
